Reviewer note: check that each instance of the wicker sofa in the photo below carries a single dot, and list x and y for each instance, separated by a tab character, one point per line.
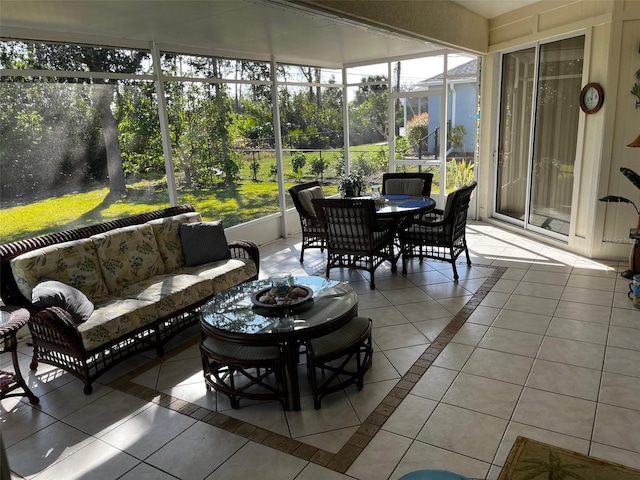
133	273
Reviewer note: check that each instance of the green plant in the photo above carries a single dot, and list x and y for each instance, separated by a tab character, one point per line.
298	161
456	137
255	167
460	172
352	184
633	178
318	167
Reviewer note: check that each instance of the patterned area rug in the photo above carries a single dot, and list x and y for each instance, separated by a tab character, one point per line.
532	460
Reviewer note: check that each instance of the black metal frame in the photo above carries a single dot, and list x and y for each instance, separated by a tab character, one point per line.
355	237
441	236
313	234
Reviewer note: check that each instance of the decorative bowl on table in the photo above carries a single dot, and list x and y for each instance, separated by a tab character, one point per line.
272	299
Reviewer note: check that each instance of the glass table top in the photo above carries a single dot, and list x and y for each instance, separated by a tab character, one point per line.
234	312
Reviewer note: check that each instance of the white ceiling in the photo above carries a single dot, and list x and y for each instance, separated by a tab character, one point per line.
254	29
493	8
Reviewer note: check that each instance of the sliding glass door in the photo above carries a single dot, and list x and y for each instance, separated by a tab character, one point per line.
539	114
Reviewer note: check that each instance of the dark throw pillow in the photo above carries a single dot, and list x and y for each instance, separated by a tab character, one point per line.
203	242
51	293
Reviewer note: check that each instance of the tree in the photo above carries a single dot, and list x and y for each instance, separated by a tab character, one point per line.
417	131
456	137
298	161
369	112
200	116
42	56
318	167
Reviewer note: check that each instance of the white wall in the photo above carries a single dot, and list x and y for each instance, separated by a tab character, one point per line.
612	34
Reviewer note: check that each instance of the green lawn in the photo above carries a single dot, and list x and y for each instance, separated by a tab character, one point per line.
245	201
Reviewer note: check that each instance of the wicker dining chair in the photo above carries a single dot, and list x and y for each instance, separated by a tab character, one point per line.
442	235
355	237
313	234
342	357
415	183
243	371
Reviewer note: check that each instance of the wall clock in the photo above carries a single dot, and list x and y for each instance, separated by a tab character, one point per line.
591	98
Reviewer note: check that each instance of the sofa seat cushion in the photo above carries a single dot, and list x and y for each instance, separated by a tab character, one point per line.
224	273
114	318
167	232
170	293
128	256
73	263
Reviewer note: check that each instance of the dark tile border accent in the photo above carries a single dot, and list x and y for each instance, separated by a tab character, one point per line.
341	461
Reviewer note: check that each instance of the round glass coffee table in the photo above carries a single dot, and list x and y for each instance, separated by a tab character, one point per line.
232	316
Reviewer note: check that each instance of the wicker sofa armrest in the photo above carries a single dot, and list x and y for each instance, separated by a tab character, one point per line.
245	249
54	325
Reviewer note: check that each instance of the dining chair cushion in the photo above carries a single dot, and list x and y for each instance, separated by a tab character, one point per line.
406	186
341	339
306	197
241	352
448	205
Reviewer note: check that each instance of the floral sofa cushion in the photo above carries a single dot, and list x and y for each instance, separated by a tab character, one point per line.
127	256
74	263
170	293
114	318
224	273
167	232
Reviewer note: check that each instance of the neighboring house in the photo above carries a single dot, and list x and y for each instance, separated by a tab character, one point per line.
461	104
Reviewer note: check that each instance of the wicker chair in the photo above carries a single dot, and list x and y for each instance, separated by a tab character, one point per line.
442	236
355	238
333	354
313	235
407	183
240	371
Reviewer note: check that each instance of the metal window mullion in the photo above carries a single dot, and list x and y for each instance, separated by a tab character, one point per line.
345	122
277	133
169	164
443	130
77	74
391	120
532	131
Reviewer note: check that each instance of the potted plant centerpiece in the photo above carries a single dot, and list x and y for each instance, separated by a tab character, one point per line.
634	257
352	184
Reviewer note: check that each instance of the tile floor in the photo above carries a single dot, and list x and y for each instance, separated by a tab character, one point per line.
547	346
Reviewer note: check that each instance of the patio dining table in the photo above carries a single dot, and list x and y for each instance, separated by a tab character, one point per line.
402	206
399	208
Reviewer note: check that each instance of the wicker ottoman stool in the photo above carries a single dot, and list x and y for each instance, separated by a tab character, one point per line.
222	362
351	340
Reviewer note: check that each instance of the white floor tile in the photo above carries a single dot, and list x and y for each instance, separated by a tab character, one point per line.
555	321
380	457
196	452
558	413
280	465
463	431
